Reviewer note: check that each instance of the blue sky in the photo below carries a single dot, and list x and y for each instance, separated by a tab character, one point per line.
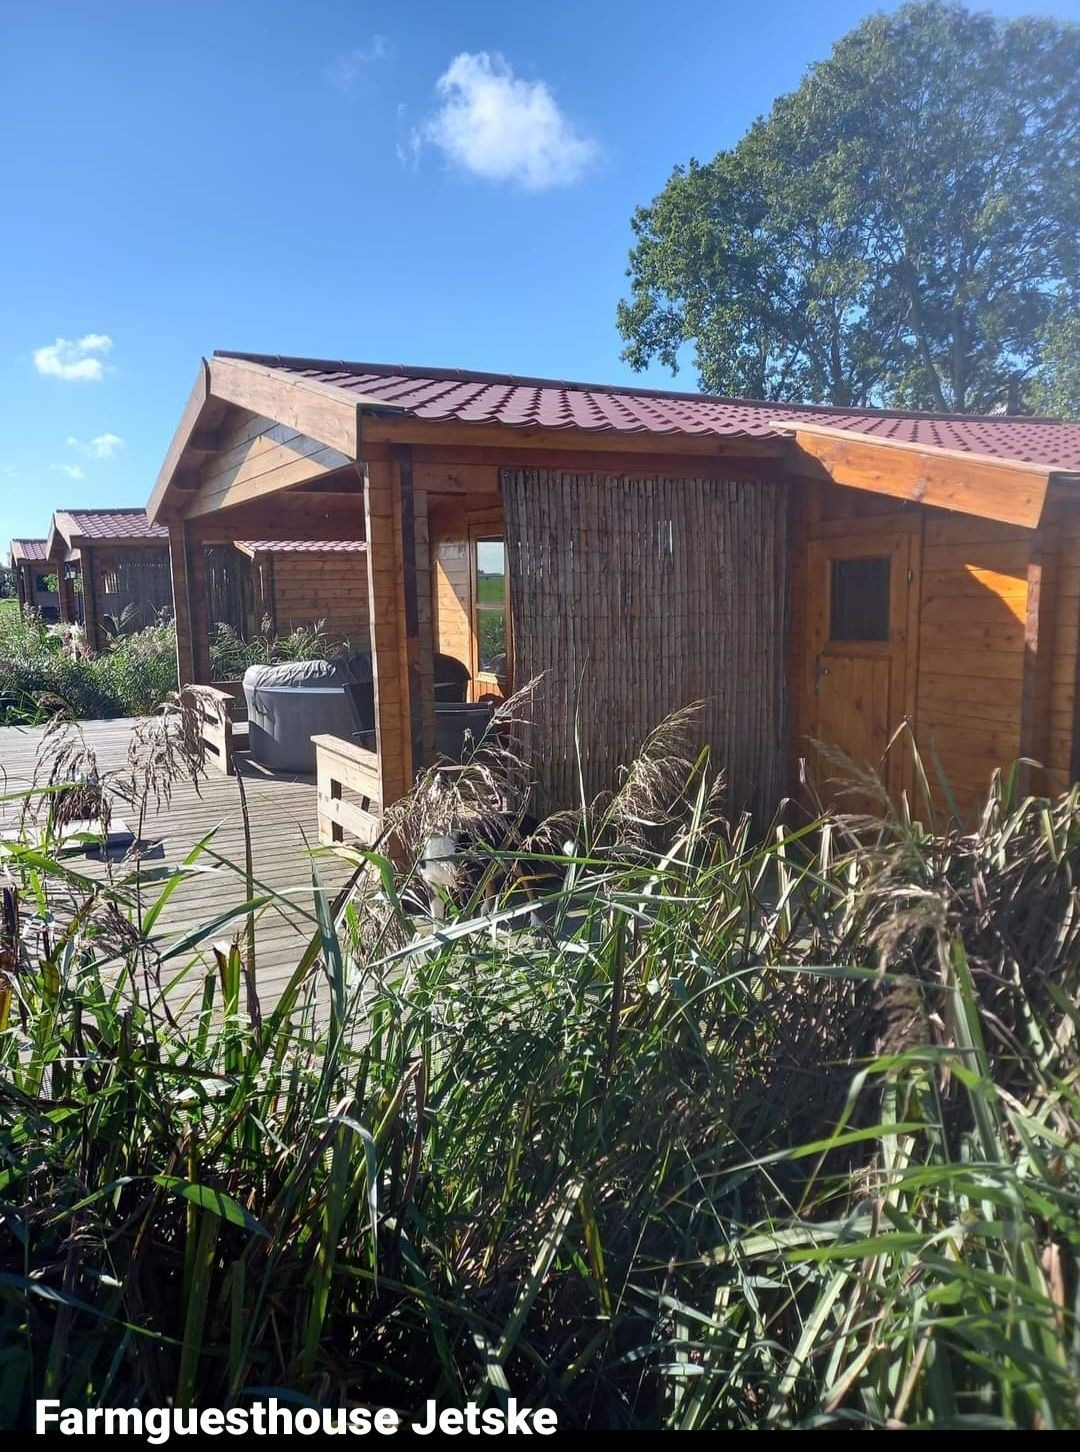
424	182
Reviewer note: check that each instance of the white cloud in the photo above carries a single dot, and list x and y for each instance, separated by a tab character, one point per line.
504	128
71	470
74	361
101	446
344	71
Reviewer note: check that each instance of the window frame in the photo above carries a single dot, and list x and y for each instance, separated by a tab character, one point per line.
487	682
866	642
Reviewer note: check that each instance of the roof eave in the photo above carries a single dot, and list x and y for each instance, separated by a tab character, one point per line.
321	411
1012	491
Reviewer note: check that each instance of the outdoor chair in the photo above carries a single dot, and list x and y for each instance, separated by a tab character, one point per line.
451	679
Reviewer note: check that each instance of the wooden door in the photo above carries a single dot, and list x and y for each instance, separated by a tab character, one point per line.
864	621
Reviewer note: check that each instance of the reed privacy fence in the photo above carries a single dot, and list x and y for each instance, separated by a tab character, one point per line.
137	581
678	585
235	594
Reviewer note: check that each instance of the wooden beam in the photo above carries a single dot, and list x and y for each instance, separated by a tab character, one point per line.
502	438
200	615
65	593
181	588
1038	661
455	478
319	410
991	488
90	599
471	464
410	592
293	515
82	542
389	644
189	421
266	603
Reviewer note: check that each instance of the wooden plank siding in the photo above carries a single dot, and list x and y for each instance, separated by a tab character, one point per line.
974	606
327	585
998	629
450	578
255	456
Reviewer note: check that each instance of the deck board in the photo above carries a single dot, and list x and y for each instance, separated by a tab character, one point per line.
282	813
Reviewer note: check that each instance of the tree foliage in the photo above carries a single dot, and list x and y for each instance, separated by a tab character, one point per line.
901	229
1056	388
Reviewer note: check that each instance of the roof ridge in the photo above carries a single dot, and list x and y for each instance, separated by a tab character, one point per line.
107	509
295	362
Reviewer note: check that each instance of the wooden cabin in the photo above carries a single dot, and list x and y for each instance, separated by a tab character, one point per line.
34	577
808	574
109	561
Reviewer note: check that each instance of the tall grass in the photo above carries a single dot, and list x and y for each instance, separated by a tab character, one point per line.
42	672
232	653
675	1126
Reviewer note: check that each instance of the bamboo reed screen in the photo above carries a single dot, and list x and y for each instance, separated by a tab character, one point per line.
230	589
655	593
137	578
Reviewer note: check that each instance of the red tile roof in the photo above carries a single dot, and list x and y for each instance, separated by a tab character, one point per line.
28	549
486	398
106	524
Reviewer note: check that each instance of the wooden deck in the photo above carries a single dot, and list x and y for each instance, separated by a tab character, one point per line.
282	812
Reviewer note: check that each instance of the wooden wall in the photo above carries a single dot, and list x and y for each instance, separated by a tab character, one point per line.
253	455
971	657
451	607
979	692
329	585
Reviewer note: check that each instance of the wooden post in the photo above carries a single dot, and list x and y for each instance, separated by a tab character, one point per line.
390	646
64	594
411	519
200	614
1038	663
24	581
181	593
88	564
426	624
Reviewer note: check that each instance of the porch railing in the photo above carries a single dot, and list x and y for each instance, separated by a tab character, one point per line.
222	722
344	767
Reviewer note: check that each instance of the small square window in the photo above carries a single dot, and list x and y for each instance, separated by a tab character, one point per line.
859	601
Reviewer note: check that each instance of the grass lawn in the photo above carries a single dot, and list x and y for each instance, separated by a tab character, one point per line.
491	589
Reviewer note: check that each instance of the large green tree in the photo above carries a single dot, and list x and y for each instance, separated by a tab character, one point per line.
902	229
